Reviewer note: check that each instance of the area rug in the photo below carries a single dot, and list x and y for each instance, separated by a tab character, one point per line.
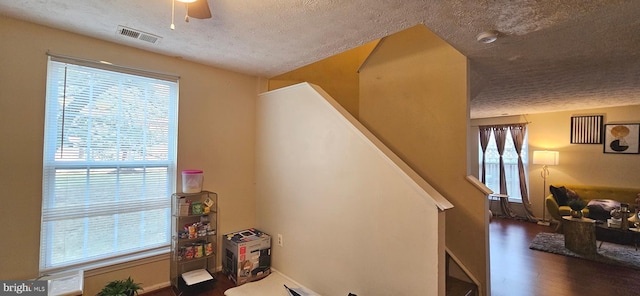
610	253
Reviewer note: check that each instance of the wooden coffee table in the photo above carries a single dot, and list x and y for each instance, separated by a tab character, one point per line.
580	235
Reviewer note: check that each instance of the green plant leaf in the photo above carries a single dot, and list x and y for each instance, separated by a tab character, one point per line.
577	204
121	288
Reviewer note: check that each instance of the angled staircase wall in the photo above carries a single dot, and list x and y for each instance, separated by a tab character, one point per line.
413	93
349	210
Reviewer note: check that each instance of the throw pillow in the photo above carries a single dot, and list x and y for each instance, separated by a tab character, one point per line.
571	195
600	209
559	194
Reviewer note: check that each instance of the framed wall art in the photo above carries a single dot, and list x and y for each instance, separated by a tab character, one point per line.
622	138
586	129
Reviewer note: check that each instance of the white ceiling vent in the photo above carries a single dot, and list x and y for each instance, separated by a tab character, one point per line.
137	34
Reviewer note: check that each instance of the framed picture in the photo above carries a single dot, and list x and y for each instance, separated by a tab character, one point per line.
622	138
586	129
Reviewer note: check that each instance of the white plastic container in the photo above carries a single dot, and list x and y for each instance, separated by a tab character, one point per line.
192	181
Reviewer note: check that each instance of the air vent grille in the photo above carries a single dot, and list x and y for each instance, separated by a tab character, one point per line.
137	34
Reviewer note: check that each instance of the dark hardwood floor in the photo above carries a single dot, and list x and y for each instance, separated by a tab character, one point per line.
517	270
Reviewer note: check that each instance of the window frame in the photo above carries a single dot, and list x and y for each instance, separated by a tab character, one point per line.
509	148
51	166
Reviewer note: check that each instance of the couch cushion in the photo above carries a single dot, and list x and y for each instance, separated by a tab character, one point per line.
560	195
589	192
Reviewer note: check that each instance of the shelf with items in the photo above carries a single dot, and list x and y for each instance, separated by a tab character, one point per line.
194	238
196	258
193	216
195	228
195	249
186	240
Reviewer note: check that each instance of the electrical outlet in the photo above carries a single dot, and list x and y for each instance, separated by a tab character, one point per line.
280	243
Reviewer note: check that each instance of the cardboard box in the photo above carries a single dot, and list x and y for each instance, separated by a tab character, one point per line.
246	255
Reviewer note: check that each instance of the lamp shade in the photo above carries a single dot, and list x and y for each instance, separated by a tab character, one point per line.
546	157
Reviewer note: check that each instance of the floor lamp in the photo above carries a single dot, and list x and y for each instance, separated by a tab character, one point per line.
545	158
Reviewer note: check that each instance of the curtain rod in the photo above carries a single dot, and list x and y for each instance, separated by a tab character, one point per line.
112	67
526	121
505	124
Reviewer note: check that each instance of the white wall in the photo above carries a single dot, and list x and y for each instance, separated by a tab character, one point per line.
352	221
216	134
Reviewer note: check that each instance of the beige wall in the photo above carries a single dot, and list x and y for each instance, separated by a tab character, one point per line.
352	220
338	76
413	96
579	163
216	134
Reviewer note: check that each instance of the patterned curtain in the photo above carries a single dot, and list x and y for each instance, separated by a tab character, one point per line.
500	134
485	135
517	134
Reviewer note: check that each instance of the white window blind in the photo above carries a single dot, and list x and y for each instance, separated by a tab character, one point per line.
109	163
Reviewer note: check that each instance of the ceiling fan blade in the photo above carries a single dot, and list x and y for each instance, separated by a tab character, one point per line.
199	9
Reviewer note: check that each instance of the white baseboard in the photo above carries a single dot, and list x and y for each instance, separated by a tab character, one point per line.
155	287
544	223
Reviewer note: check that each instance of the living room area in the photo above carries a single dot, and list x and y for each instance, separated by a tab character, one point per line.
589	172
579	164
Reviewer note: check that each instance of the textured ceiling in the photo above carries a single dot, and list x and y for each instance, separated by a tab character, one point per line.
551	55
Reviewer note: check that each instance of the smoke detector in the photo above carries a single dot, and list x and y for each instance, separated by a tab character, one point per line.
487	36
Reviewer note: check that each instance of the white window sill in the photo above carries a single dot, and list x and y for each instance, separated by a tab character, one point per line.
114	264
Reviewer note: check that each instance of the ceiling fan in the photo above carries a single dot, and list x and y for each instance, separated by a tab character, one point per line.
195	8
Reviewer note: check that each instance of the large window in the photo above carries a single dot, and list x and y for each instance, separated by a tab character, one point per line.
510	158
109	163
